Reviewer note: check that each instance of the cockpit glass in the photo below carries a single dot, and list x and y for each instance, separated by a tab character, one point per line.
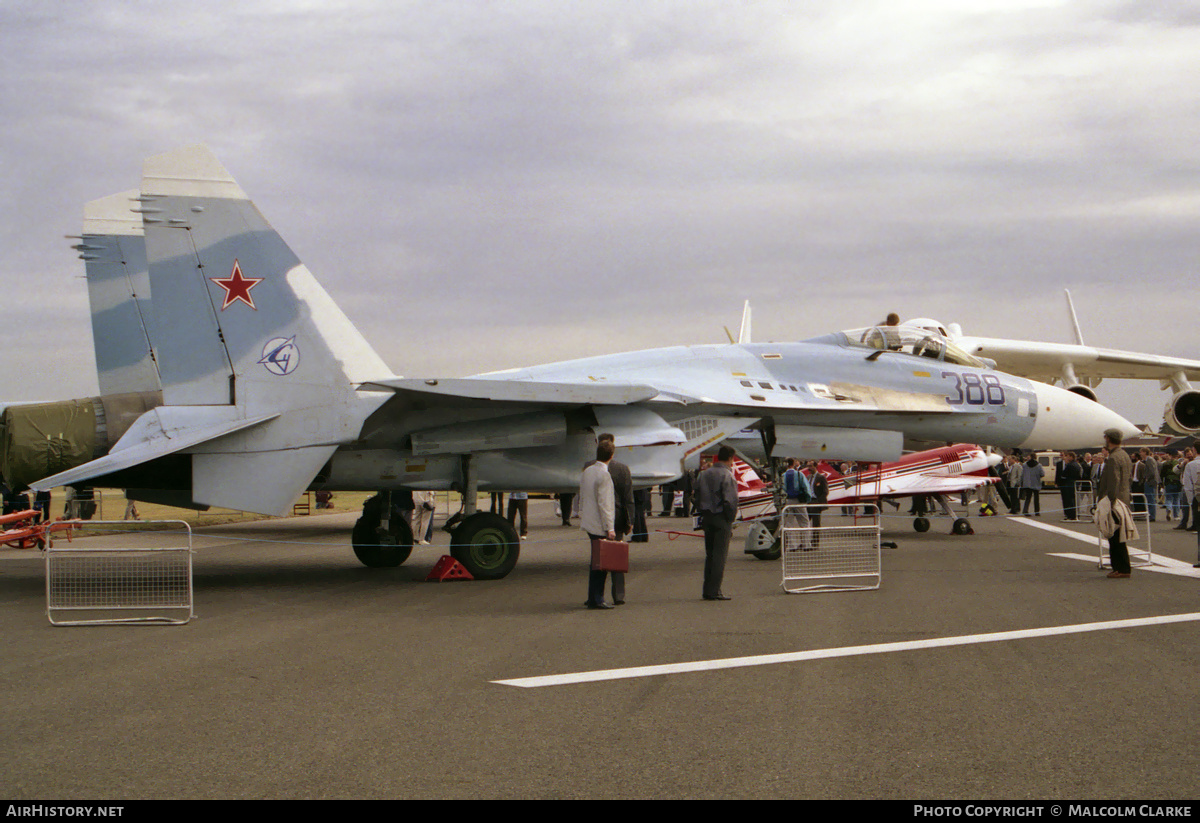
917	341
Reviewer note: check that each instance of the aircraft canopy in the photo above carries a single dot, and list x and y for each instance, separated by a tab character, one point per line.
908	338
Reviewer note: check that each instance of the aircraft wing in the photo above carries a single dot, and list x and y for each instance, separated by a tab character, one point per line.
1048	360
520	391
927	484
905	486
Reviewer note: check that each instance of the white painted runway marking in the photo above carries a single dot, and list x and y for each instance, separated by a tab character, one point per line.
1160	564
1037	524
846	651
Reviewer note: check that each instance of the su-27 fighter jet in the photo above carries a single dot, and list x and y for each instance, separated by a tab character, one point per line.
267	389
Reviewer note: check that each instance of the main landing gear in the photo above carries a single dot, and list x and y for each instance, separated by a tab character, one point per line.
961	525
762	541
377	543
485	544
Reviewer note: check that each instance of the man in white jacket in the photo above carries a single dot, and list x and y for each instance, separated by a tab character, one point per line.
597	512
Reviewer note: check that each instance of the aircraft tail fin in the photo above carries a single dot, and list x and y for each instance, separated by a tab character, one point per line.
746	477
744	333
240	321
744	329
1074	319
113	249
238	318
826	468
259	367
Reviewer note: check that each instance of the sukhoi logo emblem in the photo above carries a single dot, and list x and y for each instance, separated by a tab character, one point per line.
280	355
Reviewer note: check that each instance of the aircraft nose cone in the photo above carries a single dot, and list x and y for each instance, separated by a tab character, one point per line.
994	459
1066	420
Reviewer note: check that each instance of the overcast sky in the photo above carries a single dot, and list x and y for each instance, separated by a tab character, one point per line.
482	185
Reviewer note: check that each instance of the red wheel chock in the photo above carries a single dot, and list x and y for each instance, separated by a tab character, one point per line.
447	568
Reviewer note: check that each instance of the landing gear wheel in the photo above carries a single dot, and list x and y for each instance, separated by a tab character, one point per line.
961	526
921	524
487	545
761	541
380	551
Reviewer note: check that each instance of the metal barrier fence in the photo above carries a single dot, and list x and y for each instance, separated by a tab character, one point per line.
1085	501
828	558
91	586
1140	553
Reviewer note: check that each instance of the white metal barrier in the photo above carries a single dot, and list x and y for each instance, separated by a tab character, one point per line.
1085	501
93	585
828	558
1140	553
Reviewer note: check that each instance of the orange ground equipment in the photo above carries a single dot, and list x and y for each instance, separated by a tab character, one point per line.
22	531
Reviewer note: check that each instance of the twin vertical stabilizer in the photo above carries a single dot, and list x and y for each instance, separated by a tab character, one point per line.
245	339
113	249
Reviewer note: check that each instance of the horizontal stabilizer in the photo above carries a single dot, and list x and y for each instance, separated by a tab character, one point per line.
520	391
157	433
265	482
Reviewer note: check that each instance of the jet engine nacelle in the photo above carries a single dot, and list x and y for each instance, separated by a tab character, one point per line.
1183	411
1083	391
37	439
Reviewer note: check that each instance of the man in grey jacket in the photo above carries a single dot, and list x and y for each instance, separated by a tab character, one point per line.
1031	484
717	500
1013	477
1150	478
1191	497
1114	484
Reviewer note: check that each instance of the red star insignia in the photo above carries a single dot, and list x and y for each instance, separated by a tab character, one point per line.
237	287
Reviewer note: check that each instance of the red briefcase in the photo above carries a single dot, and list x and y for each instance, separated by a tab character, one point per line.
610	556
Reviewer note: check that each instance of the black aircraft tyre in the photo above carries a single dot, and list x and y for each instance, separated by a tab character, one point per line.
487	545
961	526
381	551
921	524
761	541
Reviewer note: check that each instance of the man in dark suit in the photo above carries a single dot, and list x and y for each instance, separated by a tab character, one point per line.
642	503
717	503
1067	475
624	515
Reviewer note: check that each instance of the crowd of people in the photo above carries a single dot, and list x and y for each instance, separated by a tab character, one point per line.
1156	481
80	502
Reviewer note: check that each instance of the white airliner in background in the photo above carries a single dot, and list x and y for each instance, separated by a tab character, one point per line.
1079	368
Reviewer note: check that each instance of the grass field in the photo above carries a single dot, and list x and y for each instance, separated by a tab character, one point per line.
110	506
